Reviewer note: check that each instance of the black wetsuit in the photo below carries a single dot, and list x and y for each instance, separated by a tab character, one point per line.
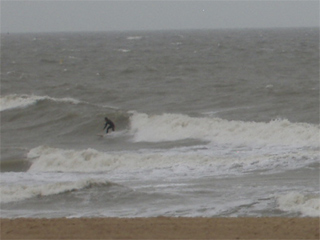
111	125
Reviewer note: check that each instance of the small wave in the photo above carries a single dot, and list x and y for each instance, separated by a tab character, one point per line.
134	37
173	127
23	100
123	50
18	192
307	205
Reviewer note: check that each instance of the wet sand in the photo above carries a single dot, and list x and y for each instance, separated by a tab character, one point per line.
161	228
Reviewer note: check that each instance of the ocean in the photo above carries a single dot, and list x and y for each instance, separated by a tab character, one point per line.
209	123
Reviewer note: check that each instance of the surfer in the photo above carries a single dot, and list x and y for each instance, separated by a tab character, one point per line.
110	123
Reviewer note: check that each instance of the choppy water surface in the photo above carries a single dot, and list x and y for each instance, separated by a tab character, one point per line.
208	123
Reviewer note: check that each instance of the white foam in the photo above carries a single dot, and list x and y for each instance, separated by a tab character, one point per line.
172	127
23	100
307	205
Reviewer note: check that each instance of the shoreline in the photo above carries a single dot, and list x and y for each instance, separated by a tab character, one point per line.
161	228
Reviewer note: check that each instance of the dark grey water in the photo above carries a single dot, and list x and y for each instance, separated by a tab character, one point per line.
208	123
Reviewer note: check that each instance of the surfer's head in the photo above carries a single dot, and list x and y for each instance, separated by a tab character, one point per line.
106	119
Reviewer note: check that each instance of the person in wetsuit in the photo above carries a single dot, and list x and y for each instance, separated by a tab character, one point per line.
109	124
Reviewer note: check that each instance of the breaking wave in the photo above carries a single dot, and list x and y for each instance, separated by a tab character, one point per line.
307	205
18	192
181	162
173	127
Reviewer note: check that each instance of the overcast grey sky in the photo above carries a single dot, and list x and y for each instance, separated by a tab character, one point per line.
90	15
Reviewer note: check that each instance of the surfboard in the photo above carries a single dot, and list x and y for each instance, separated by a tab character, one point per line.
106	134
112	134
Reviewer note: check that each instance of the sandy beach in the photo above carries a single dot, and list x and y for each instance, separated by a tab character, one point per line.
161	228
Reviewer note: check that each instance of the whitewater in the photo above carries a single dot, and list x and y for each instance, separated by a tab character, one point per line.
220	123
